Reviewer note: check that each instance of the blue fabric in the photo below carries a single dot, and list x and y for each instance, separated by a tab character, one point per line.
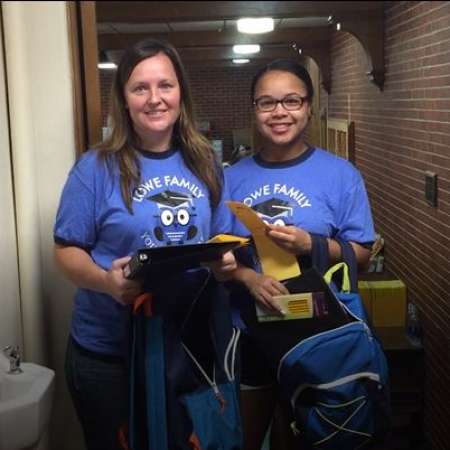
92	215
319	192
155	380
320	257
352	300
166	412
360	404
217	428
354	303
336	382
322	193
138	383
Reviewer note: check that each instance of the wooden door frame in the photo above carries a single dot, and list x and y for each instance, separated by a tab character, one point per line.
82	26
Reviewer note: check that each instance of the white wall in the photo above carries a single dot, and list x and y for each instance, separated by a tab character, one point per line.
43	148
10	327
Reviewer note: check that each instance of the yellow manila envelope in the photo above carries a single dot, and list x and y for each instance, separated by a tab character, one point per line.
229	238
249	218
275	261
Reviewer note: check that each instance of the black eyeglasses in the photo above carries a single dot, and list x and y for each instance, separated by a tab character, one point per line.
291	102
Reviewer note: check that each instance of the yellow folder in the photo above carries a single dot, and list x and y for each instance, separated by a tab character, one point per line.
229	238
275	261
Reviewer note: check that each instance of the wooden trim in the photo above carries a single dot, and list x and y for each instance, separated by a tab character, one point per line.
341	138
306	36
91	81
181	11
313	132
78	100
85	78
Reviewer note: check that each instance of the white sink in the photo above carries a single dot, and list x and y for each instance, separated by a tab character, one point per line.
25	404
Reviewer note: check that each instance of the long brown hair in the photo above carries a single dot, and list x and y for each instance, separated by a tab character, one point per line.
123	141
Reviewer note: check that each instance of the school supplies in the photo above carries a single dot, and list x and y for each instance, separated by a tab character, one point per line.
304	305
153	261
275	261
310	297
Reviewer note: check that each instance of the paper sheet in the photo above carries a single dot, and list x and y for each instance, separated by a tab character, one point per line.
275	261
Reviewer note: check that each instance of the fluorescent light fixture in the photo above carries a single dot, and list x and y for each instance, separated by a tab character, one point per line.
255	26
246	49
241	61
107	65
338	26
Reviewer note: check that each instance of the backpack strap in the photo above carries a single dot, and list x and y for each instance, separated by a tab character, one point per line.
349	258
148	356
320	258
345	275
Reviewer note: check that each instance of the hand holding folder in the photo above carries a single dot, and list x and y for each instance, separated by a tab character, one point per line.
275	261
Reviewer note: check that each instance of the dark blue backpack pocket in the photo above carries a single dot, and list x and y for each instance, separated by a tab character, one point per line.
336	385
336	417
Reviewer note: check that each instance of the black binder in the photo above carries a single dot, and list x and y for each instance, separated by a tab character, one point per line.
169	259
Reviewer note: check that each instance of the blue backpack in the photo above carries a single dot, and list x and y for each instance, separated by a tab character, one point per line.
183	392
335	383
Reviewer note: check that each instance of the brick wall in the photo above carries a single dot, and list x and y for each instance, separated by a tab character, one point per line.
221	96
400	133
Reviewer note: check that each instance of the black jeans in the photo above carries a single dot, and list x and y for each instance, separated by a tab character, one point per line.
98	385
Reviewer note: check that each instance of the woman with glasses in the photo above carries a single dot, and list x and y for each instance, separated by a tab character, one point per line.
298	190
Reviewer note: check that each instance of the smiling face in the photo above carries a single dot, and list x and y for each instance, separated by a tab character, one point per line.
281	130
153	99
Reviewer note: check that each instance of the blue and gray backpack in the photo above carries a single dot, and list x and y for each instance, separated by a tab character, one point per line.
335	382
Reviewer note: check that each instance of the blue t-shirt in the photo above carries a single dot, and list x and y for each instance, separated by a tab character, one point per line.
319	192
171	206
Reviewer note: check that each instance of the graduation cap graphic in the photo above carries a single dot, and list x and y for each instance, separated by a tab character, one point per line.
274	211
175	217
171	199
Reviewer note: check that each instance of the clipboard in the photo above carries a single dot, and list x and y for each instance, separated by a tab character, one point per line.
153	261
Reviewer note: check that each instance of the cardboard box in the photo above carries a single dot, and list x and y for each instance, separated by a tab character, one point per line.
385	301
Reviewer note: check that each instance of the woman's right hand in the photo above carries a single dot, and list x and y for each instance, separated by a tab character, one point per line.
263	288
122	290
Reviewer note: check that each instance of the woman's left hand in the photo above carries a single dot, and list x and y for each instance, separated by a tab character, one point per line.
290	238
224	267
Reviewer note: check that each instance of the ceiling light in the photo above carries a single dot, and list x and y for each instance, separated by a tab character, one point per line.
107	65
246	49
255	26
241	61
